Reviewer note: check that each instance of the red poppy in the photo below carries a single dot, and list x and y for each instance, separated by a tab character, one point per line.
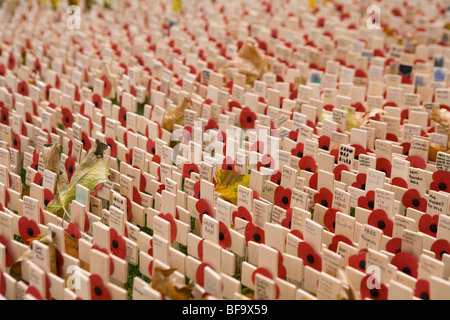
406	263
69	164
222	137
113	146
276	177
399	182
394	245
173	226
329	219
266	161
98	290
48	197
224	236
324	142
338	171
200	273
211	125
187	134
257	146
254	233
188	168
440	181
204	208
4	115
97	100
308	163
117	244
73	231
324	197
440	247
312	183
234	104
106	85
247	118
379	218
15	141
298	150
428	224
367	201
33	291
129	157
335	241
11	61
241	213
384	165
358	261
286	222
197	190
335	154
416	162
311	124
37	66
123	116
28	229
309	256
86	142
38	179
360	182
374	291
293	134
406	146
22	88
2	70
359	149
228	164
8	258
412	199
282	197
151	146
67	117
422	289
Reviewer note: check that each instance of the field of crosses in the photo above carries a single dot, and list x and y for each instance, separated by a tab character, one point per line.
224	149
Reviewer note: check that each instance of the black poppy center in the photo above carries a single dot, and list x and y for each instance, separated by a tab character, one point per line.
415	202
46	202
249	119
381	224
30	231
97	291
442	186
363	186
442	253
382	170
115	244
310	258
424	296
299	154
124	117
221	236
190	171
267	165
362	264
67	119
153	150
278	181
433	228
285	200
229	167
308	169
70	169
370	204
22	88
96	104
289	224
324	203
205	212
256	237
407	270
374	293
15	142
325	148
36	166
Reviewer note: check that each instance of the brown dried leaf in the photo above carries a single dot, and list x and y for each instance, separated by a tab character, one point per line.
175	116
162	282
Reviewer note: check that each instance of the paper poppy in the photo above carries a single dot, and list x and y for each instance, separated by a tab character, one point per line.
117	244
67	117
222	137
8	257
188	168
234	104
33	291
38	179
422	289
16	141
441	181
48	197
308	163
360	182
312	183
228	164
371	289
186	134
69	165
203	208
11	61
440	247
293	134
329	219
338	171
358	261
335	154
276	177
4	115
113	146
241	213
324	197
367	201
298	150
406	263
399	182
359	149
257	146
211	124
384	165
416	162
106	85
73	231
406	146
379	218
311	124
173	226
98	290
394	245
266	161
22	88
286	222
429	224
86	142
224	236
197	190
324	142
412	199
335	241
247	118
129	206
97	100
28	229
200	273
309	256
151	146
129	157
282	197
123	116
254	233
2	70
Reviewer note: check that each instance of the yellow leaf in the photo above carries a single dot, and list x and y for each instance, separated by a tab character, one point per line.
228	182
